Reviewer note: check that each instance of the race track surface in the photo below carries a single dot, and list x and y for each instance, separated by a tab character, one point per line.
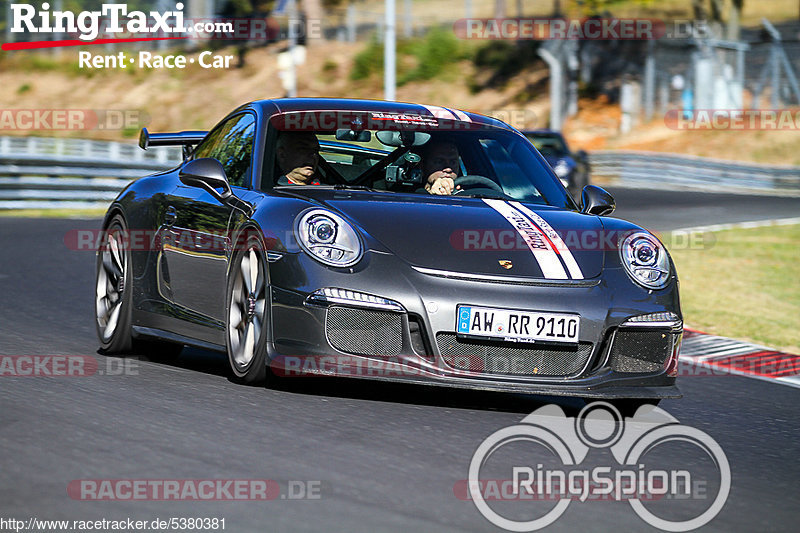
387	456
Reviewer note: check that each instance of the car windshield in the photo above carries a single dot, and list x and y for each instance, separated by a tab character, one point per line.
484	162
549	144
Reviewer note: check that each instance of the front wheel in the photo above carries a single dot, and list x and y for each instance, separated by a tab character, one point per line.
113	289
247	313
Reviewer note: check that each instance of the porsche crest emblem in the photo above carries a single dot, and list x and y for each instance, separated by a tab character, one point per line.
505	263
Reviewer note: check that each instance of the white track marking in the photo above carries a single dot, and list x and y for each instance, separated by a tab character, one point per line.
740	225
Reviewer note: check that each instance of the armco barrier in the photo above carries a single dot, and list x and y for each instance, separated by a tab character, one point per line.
50	173
660	170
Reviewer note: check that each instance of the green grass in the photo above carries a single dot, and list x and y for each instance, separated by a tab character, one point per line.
745	284
52	213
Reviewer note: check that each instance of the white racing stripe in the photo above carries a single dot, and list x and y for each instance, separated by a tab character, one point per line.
440	112
534	238
461	115
555	238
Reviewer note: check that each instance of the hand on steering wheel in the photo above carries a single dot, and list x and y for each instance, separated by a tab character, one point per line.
441	182
469	180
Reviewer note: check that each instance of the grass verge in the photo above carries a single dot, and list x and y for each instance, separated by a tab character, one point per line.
52	213
744	285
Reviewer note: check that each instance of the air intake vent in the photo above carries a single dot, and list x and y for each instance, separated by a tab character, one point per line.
640	351
364	332
507	358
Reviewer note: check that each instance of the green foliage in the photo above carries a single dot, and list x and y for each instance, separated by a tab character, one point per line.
368	61
596	7
433	56
129	132
25	87
499	61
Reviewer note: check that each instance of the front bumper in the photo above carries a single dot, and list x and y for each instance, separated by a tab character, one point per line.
417	344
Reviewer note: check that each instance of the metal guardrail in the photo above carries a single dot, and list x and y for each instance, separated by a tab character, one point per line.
659	170
51	173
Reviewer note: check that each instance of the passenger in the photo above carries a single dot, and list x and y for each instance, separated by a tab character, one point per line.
298	156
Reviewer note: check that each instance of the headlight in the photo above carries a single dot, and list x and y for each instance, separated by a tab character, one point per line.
561	169
328	238
645	259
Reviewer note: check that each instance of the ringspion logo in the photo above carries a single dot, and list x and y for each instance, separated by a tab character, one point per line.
542	459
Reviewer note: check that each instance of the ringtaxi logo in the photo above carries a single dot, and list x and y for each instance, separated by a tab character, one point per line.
568	441
117	18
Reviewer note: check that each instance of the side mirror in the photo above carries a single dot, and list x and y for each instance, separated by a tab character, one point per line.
597	201
206	173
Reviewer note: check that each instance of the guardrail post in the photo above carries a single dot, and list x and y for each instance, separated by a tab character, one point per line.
351	23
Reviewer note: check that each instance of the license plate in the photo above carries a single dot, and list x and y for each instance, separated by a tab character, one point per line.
517	326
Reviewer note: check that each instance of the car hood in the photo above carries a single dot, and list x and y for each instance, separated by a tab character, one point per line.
474	236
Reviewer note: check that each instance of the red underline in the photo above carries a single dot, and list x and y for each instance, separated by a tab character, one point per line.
77	42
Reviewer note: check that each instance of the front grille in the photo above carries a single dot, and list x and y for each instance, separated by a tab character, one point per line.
489	357
364	331
640	350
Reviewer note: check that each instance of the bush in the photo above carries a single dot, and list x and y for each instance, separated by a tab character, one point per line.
368	61
423	58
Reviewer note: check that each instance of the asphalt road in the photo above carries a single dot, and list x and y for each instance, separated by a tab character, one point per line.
386	457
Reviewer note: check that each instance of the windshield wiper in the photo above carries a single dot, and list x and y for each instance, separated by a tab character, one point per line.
495	196
345	186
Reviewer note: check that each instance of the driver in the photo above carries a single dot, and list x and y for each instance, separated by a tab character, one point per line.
440	165
298	156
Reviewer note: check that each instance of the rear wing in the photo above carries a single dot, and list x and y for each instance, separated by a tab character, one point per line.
186	139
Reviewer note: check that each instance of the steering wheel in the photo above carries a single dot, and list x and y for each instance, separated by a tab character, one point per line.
472	180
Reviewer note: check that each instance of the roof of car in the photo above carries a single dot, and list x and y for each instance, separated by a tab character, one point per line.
542	131
287	105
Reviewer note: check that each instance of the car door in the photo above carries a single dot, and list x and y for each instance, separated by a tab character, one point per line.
197	242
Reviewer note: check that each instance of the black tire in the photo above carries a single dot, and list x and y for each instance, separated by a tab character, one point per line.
120	340
247	313
113	284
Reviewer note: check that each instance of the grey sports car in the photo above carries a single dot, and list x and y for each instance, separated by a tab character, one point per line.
485	274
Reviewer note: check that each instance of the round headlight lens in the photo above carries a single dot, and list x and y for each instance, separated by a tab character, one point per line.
328	238
645	260
322	229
